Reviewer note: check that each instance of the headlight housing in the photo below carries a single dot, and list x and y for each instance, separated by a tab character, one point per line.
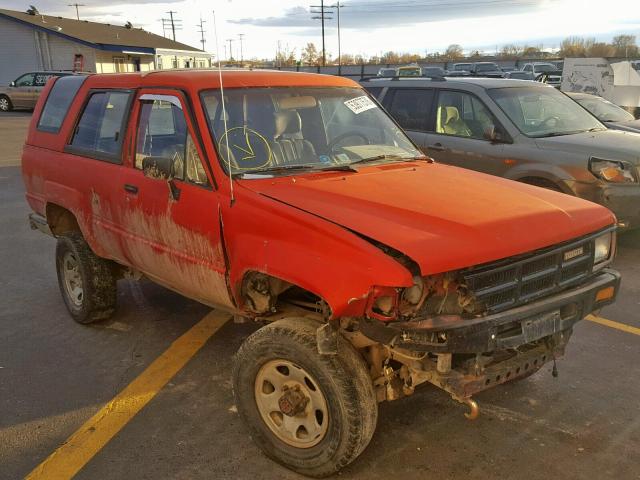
612	171
603	249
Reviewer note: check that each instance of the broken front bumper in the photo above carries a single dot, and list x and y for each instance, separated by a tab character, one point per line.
501	331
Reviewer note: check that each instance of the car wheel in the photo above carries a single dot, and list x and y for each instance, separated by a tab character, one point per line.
312	413
5	104
87	282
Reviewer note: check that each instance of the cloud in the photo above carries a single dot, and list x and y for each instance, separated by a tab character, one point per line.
385	13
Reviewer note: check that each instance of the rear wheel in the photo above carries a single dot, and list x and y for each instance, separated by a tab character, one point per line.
312	413
87	282
5	104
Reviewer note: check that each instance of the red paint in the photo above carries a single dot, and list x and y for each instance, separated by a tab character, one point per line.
301	231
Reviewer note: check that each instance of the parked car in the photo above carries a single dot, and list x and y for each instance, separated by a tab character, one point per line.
410	71
387	72
519	75
486	69
523	131
298	202
544	72
460	70
24	91
434	72
613	116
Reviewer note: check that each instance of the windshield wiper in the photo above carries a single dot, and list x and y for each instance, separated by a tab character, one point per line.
388	157
298	167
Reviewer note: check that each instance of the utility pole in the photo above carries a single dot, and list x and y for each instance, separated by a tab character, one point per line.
338	7
240	35
76	5
324	15
173	25
230	40
202	32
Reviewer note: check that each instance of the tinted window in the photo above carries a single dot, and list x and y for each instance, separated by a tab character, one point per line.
411	107
374	91
99	130
462	115
58	102
41	79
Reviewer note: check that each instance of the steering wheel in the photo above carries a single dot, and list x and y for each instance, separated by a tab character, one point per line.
332	145
547	122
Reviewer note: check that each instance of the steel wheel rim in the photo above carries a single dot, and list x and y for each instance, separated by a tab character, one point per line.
72	278
4	104
279	378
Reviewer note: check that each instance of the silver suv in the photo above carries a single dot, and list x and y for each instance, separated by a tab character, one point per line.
525	131
24	91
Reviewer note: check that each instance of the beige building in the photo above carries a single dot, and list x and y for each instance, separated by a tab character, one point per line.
42	42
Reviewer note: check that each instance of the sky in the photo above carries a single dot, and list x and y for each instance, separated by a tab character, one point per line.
368	27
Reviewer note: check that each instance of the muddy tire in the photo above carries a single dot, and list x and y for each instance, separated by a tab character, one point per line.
87	282
5	104
279	366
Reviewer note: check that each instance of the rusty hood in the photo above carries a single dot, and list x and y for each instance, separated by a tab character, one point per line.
444	218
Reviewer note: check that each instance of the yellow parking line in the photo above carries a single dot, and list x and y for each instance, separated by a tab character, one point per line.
83	445
612	324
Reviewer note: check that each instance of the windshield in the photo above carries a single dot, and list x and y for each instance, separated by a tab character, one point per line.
487	67
605	110
462	66
544	68
543	111
275	129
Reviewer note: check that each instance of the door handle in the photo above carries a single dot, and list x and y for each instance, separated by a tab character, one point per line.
437	146
130	188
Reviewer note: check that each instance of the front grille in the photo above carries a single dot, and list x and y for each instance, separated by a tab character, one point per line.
514	282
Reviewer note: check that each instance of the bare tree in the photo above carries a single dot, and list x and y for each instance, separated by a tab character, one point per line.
454	52
625	46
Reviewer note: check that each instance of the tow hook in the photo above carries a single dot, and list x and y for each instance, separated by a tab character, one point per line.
474	410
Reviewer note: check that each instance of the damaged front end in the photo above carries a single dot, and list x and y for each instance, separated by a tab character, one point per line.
468	331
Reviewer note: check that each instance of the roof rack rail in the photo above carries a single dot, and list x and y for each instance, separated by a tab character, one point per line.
436	78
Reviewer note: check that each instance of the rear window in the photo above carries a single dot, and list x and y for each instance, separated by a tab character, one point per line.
58	102
99	131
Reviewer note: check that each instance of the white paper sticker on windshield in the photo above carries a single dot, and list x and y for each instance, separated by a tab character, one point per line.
360	104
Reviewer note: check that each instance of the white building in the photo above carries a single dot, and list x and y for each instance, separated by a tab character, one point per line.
41	42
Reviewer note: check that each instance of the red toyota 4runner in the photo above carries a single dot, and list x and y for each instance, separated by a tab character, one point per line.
293	199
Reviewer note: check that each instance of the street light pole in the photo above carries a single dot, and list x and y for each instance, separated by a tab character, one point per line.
240	35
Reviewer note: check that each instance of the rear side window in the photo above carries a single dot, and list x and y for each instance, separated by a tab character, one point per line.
58	102
100	129
411	107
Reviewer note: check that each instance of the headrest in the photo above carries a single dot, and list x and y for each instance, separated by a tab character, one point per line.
287	123
451	114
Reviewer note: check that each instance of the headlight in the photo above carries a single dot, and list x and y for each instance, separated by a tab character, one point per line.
612	171
602	248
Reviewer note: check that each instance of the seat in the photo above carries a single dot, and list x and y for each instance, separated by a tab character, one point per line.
289	145
452	124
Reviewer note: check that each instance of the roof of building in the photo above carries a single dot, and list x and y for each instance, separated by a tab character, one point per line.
98	35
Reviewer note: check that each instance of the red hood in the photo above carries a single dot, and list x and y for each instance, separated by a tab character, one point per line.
443	217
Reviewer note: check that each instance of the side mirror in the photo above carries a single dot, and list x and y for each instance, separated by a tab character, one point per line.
494	135
161	168
12	84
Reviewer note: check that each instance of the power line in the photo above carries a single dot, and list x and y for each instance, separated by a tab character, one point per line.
76	5
324	15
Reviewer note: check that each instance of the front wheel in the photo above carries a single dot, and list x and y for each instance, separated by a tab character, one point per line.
312	413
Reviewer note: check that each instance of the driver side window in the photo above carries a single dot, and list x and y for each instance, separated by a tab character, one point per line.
163	133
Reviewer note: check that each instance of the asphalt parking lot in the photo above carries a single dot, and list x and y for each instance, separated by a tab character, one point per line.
56	374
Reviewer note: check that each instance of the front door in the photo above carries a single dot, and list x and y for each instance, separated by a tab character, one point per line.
172	226
462	123
22	91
